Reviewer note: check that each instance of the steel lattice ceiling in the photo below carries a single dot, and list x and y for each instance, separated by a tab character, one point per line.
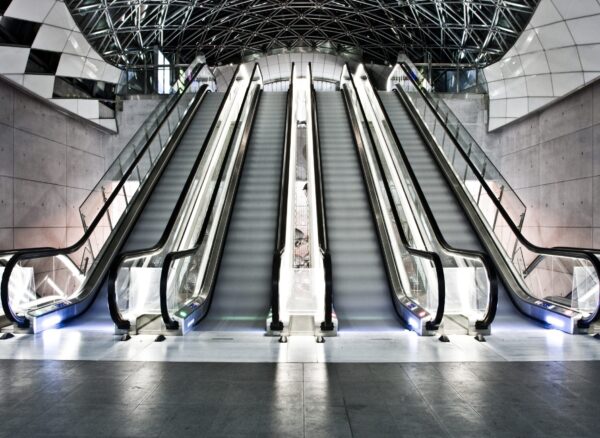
465	31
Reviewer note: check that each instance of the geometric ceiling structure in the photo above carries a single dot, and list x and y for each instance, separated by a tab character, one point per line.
470	32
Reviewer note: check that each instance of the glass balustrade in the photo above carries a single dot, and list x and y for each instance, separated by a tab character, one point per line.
554	278
42	280
468	289
417	274
137	282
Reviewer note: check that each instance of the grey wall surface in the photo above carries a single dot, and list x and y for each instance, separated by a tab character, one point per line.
471	109
48	164
552	159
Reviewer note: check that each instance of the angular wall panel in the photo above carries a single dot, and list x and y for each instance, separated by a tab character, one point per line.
37	54
557	53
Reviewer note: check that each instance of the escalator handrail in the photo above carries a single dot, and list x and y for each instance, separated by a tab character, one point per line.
48	251
557	252
431	256
473	142
175	255
280	240
321	209
42	252
113	272
173	100
485	259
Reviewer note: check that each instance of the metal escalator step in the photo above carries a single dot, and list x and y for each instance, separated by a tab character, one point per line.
361	291
449	215
242	292
157	211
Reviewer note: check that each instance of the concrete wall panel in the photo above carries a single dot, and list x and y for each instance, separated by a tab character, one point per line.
39	204
596	194
531	198
31	237
568	157
562	190
35	117
58	159
567	236
6	150
596	107
84	170
521	168
85	138
39	159
134	114
74	199
6	202
596	149
567	204
6	239
523	135
570	115
6	105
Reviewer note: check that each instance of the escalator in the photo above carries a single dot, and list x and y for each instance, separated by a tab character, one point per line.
362	294
45	287
157	211
449	215
451	219
477	209
210	268
241	297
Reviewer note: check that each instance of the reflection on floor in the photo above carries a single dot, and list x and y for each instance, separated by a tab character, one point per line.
137	399
398	346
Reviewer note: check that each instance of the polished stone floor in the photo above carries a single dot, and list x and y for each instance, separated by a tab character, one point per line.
397	346
147	399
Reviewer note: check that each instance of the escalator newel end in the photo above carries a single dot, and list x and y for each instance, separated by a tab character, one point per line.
320	340
480	338
160	338
125	337
283	339
444	338
5	336
276	326
327	326
597	336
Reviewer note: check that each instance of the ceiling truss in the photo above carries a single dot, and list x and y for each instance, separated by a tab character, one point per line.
469	32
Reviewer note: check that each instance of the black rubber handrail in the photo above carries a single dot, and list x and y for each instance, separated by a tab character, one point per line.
485	259
172	256
113	306
280	240
327	324
31	253
569	253
431	256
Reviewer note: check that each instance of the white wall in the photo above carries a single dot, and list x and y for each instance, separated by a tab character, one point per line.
58	33
558	52
49	162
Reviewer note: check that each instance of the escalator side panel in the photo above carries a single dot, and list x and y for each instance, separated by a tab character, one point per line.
362	298
241	298
451	219
453	222
157	211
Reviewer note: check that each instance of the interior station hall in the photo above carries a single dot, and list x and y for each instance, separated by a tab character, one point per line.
300	218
